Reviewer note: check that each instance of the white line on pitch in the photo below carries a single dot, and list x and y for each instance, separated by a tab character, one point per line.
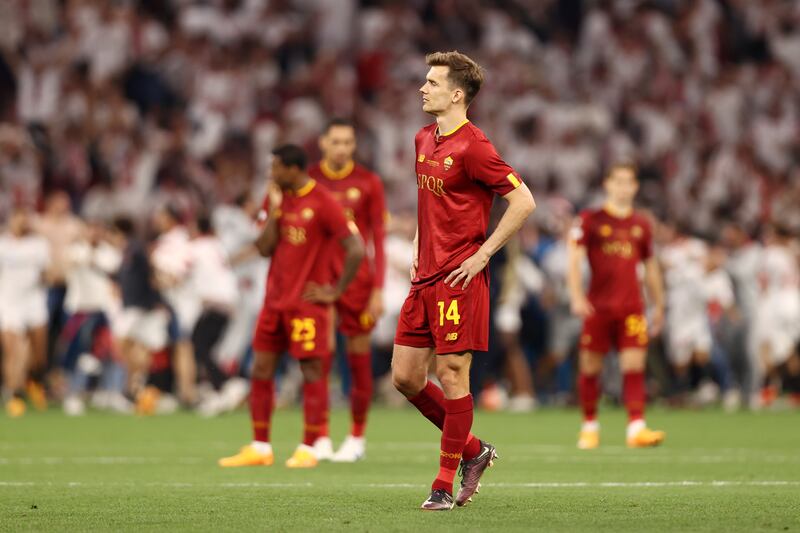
536	485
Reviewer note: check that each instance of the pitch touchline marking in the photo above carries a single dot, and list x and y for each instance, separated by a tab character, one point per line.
537	485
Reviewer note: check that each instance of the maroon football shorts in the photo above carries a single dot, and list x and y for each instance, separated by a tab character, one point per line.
304	331
449	319
605	329
351	310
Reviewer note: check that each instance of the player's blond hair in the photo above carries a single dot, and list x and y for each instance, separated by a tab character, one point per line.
464	72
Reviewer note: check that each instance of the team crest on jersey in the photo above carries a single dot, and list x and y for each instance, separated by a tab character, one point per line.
307	213
352	194
605	230
421	158
448	162
636	232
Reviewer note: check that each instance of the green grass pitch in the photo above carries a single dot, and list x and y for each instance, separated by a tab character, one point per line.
716	472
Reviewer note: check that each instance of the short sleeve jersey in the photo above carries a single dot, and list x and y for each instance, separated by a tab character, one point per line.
23	261
458	175
360	193
311	222
615	247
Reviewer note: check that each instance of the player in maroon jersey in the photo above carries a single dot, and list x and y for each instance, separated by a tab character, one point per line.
447	310
361	194
615	239
304	223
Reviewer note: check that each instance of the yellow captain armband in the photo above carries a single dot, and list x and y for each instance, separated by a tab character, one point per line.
513	179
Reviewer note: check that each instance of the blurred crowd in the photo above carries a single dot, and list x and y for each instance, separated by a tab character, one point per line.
128	128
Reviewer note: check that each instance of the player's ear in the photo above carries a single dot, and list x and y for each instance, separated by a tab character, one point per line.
458	96
323	141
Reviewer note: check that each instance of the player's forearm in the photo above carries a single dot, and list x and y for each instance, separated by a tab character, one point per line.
574	277
655	287
378	236
520	206
268	239
354	254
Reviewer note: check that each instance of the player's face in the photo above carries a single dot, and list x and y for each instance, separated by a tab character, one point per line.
438	95
282	174
18	222
621	186
338	145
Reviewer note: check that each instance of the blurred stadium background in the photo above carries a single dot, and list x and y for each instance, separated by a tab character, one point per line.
166	112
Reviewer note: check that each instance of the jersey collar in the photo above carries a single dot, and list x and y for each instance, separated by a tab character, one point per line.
451	132
617	213
305	189
336	174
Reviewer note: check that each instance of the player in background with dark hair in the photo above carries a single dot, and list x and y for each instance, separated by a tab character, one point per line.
360	192
615	239
446	315
304	223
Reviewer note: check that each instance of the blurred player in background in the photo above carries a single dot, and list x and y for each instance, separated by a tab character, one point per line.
688	330
447	310
304	224
214	282
360	192
777	327
172	262
24	259
615	239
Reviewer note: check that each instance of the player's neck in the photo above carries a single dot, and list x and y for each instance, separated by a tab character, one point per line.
335	170
618	210
448	123
301	186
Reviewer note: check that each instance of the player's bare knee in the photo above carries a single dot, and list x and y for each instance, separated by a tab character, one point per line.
407	382
590	363
263	367
311	369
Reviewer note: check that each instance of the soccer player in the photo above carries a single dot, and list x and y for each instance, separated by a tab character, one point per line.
304	223
688	330
777	325
447	309
615	239
24	260
360	193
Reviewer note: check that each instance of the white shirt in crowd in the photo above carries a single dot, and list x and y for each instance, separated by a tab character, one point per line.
23	261
89	285
211	275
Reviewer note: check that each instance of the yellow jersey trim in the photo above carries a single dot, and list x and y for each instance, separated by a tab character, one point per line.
617	213
453	130
305	189
513	179
336	174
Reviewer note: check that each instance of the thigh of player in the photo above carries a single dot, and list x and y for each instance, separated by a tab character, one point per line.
459	319
597	335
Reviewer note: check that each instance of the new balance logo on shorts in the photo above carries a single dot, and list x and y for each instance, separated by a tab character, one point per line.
451	337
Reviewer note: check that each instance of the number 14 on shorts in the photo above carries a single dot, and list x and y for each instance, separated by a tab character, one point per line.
452	312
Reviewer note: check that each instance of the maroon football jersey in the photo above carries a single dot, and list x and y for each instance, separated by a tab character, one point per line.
360	192
310	226
458	175
615	246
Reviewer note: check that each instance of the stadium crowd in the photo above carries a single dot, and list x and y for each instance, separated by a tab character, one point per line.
135	140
